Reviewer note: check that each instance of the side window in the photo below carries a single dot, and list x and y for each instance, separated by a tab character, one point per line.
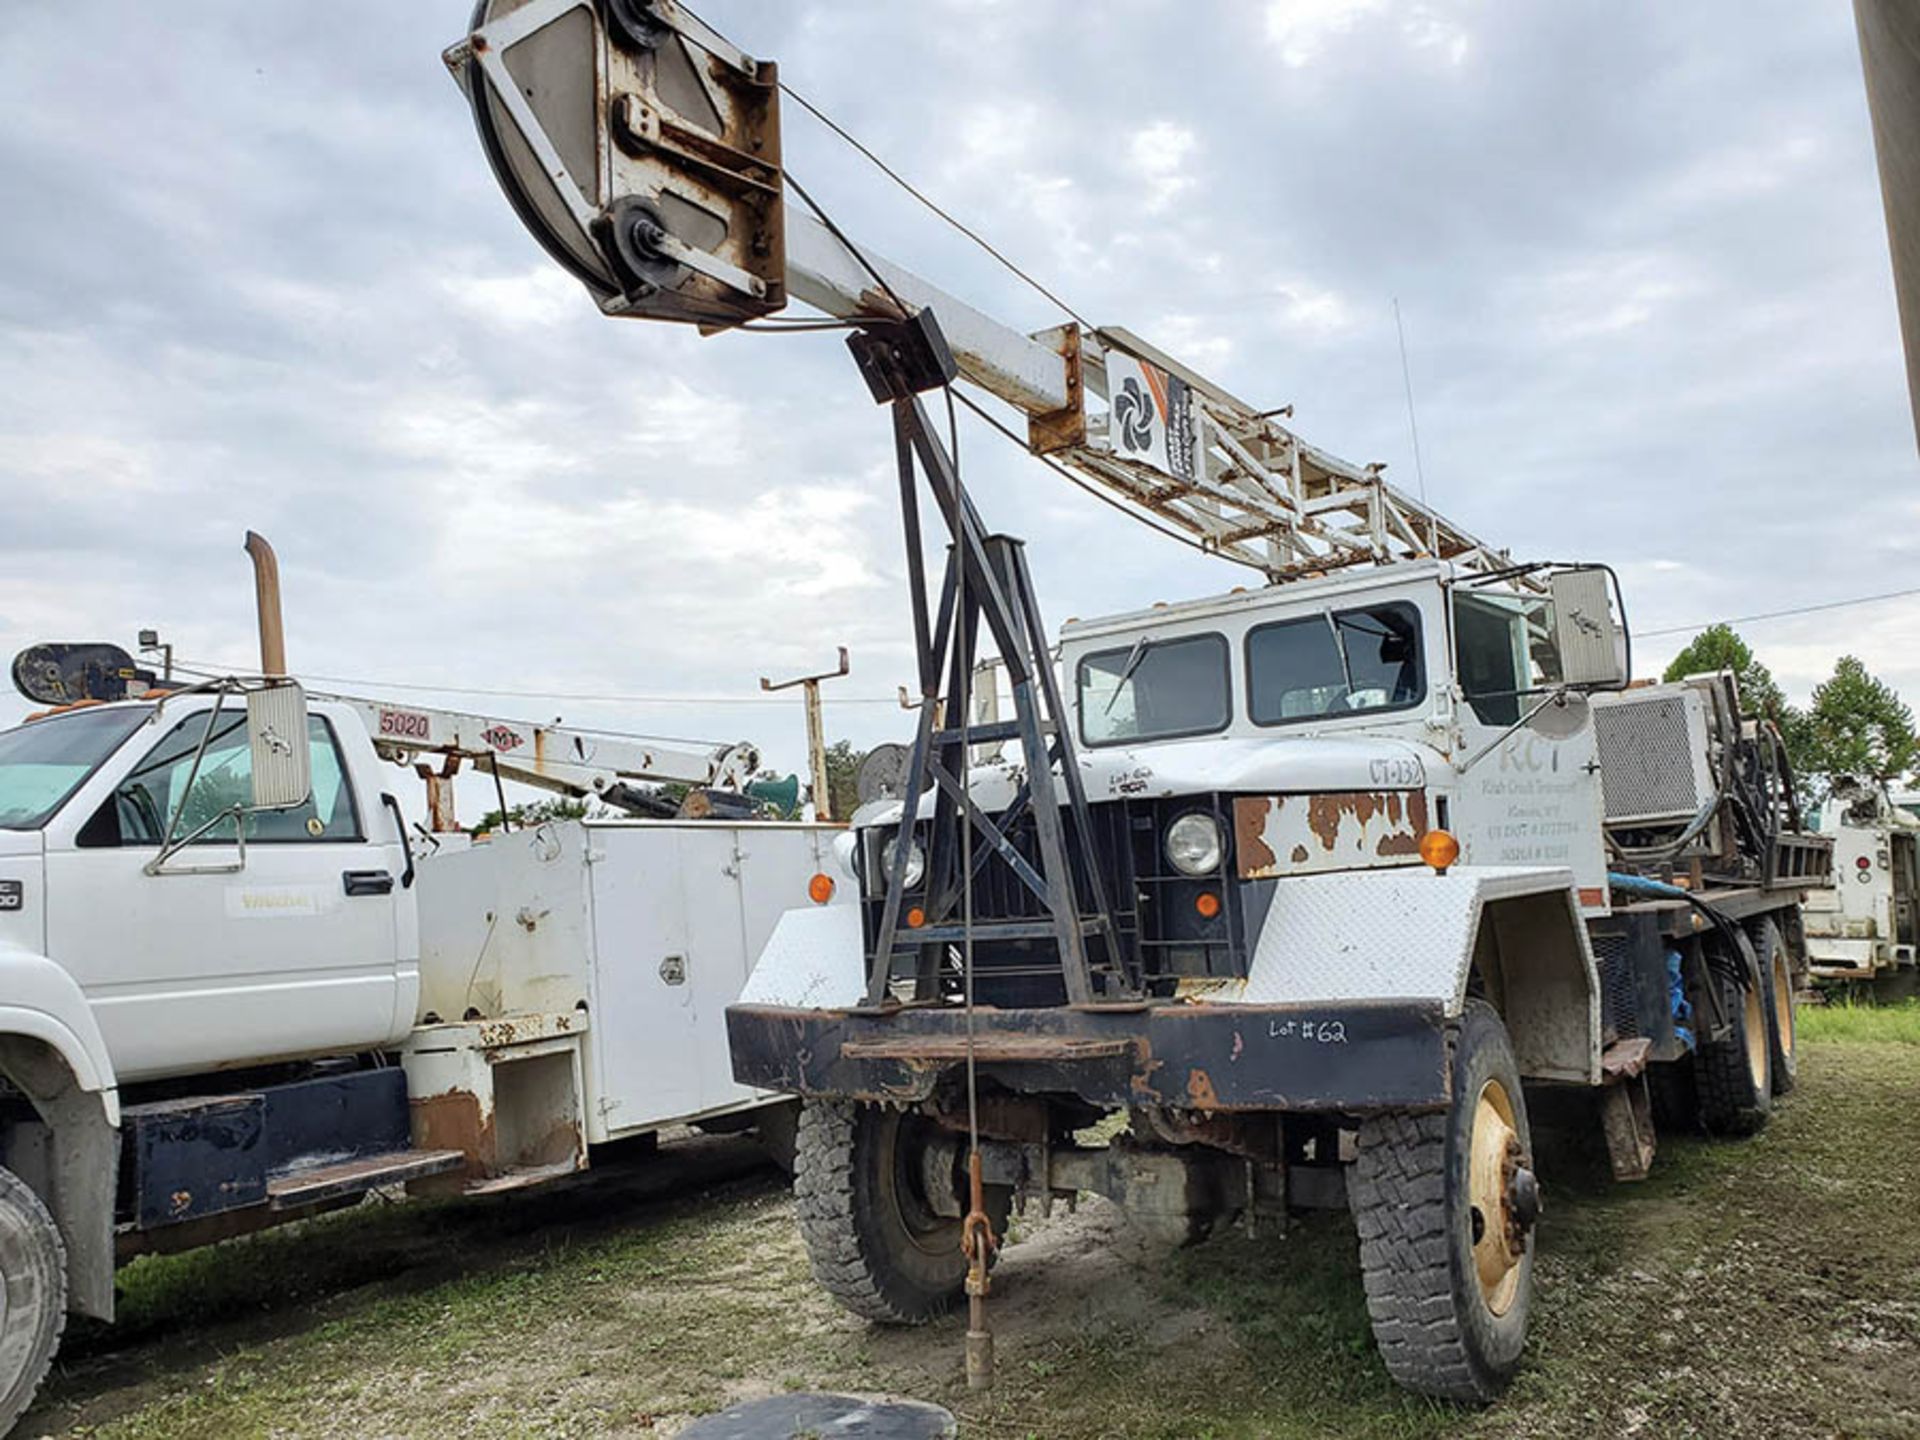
137	812
1506	651
1345	662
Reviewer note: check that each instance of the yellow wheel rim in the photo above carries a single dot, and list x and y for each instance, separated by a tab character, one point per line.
1499	1242
1783	1003
1756	1013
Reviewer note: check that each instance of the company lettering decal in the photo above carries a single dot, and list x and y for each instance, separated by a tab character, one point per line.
276	902
405	724
501	738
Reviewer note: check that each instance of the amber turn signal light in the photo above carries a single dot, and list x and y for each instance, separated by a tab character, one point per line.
820	889
1207	904
1440	850
916	917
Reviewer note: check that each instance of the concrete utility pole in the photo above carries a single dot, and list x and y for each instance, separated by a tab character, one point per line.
1890	54
816	731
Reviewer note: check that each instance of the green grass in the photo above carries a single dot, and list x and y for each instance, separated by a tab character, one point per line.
1747	1289
1845	1022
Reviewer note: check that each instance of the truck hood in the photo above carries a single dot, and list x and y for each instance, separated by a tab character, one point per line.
22	891
1257	765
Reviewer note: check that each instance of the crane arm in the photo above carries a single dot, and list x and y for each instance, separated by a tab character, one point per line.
559	759
643	151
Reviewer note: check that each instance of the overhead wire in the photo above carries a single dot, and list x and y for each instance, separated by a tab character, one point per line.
1787	613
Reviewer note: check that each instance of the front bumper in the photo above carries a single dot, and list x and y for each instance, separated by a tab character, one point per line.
1380	1055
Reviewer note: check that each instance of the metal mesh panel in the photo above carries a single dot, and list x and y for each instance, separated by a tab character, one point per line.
1619	1008
1646	759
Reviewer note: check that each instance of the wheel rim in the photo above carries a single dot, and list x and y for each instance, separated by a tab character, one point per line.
1756	1016
923	1228
1499	1237
1783	1005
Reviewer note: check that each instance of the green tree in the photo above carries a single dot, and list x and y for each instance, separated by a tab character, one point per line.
1857	725
843	764
1719	647
521	817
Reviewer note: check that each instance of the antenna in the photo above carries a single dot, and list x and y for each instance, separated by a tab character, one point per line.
1413	424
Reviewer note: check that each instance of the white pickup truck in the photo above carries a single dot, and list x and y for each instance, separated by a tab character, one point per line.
231	996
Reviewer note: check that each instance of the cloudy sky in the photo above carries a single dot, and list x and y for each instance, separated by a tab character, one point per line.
254	273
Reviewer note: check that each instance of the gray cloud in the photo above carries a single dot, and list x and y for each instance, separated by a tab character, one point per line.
254	272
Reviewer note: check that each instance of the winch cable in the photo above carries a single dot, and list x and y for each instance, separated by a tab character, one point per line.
977	1239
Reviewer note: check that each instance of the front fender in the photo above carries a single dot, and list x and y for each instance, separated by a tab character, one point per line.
1412	935
44	1003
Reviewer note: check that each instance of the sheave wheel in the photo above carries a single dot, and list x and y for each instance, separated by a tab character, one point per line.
1445	1205
1735	1075
1777	966
875	1236
33	1295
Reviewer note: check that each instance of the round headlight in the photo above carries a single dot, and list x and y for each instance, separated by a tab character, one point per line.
916	862
1193	844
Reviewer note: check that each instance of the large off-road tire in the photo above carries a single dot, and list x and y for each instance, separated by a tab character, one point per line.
1445	1205
33	1295
1776	967
1735	1075
876	1240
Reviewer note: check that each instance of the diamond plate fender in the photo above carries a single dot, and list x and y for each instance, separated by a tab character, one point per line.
815	959
1364	935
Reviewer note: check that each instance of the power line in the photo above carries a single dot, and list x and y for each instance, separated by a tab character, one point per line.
1781	614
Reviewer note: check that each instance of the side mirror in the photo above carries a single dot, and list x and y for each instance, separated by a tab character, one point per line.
277	734
1585	630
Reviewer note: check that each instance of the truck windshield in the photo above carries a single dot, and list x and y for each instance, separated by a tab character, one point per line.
43	763
1154	690
1334	664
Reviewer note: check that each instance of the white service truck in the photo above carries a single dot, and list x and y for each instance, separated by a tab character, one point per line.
1866	930
232	994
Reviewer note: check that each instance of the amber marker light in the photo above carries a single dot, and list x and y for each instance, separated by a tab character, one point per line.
820	889
916	917
1207	904
1440	850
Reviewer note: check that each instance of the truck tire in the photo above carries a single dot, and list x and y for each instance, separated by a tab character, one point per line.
1445	1204
875	1242
33	1270
1735	1075
1777	965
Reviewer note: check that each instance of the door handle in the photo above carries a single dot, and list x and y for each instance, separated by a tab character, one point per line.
367	882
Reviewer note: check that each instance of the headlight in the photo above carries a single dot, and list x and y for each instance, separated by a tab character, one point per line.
916	863
1193	844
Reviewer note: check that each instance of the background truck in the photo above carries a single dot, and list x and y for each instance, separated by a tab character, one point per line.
231	994
1866	929
1308	883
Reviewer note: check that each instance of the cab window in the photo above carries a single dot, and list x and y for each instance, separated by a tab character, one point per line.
1335	664
1506	651
137	812
1155	690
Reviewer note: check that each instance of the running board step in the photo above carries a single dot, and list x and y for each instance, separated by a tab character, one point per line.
322	1183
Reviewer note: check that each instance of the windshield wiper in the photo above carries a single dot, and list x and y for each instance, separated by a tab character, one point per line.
1134	657
1340	644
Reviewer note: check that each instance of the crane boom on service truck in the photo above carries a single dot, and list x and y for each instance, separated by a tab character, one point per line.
231	994
1310	883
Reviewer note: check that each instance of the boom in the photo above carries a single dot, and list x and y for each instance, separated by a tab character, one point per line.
643	150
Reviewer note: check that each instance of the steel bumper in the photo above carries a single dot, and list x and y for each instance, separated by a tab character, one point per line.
1366	1056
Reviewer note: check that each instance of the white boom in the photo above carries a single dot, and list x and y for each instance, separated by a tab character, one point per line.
557	758
643	150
